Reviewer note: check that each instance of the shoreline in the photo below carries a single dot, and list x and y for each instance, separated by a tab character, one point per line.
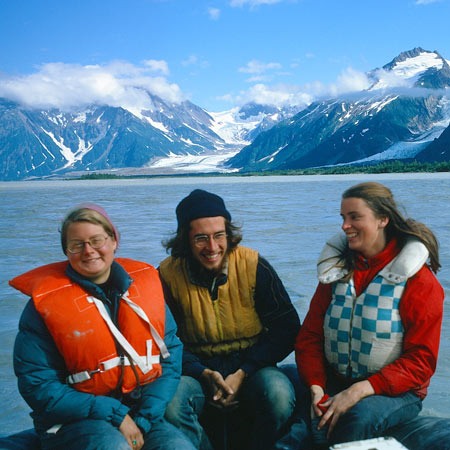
225	179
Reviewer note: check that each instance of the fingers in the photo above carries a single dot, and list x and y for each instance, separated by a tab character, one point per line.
136	442
218	395
319	405
225	404
221	384
331	425
224	391
131	433
216	382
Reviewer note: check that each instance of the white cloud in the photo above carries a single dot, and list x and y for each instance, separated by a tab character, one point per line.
68	86
253	3
214	13
194	60
157	66
259	67
348	82
426	2
278	95
258	79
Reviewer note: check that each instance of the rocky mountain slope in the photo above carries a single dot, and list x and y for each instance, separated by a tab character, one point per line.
406	106
42	143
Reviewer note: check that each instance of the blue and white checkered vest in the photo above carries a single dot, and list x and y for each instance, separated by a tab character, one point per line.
364	333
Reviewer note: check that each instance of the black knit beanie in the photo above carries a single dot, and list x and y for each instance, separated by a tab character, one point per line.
200	203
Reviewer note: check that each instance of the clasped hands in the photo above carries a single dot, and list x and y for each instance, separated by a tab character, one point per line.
223	392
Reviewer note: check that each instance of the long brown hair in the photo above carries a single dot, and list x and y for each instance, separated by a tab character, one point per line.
380	200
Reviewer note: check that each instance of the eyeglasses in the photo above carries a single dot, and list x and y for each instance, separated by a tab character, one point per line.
202	240
95	242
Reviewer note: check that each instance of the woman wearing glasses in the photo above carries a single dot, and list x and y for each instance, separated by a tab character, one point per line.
96	356
371	337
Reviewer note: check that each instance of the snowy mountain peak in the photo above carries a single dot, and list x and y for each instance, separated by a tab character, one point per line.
413	68
404	56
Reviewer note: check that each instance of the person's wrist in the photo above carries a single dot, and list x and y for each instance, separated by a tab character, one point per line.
316	390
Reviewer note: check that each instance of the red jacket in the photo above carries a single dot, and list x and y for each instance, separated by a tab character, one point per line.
421	310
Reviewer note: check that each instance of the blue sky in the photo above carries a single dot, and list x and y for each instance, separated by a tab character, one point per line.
217	54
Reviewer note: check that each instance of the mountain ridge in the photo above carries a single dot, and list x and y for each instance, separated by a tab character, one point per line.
402	111
395	120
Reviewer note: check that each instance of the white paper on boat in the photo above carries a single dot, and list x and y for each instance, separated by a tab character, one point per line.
383	443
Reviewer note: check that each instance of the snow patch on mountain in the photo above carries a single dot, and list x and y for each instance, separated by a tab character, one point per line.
271	157
83	148
231	128
402	150
66	152
381	104
45	147
205	163
158	125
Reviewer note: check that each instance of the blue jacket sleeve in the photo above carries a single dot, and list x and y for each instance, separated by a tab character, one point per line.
41	372
157	394
192	365
278	317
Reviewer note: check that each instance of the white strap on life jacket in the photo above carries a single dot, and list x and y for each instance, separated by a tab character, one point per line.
148	360
141	313
145	363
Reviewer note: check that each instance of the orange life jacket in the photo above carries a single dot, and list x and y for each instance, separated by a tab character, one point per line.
86	338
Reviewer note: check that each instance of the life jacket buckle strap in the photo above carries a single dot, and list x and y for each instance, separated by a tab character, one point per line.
83	376
78	377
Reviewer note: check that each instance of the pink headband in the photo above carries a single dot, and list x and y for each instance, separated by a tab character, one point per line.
101	211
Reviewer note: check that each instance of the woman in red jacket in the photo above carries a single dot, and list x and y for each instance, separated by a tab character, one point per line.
369	343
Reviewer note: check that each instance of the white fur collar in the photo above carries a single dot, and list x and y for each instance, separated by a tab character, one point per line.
406	264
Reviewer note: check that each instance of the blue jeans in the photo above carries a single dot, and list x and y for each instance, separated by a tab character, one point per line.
266	399
298	435
102	435
373	415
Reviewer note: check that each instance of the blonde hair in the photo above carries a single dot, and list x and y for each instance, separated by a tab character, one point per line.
380	200
85	215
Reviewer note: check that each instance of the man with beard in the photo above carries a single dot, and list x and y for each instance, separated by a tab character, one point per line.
236	322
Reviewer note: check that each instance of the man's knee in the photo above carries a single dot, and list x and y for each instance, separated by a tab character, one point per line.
273	388
165	435
189	398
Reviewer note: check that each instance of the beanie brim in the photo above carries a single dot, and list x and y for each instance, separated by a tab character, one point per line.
198	204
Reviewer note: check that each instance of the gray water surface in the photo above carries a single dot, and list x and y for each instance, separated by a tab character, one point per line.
287	219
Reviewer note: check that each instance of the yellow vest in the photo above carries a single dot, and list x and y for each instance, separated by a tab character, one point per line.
222	326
